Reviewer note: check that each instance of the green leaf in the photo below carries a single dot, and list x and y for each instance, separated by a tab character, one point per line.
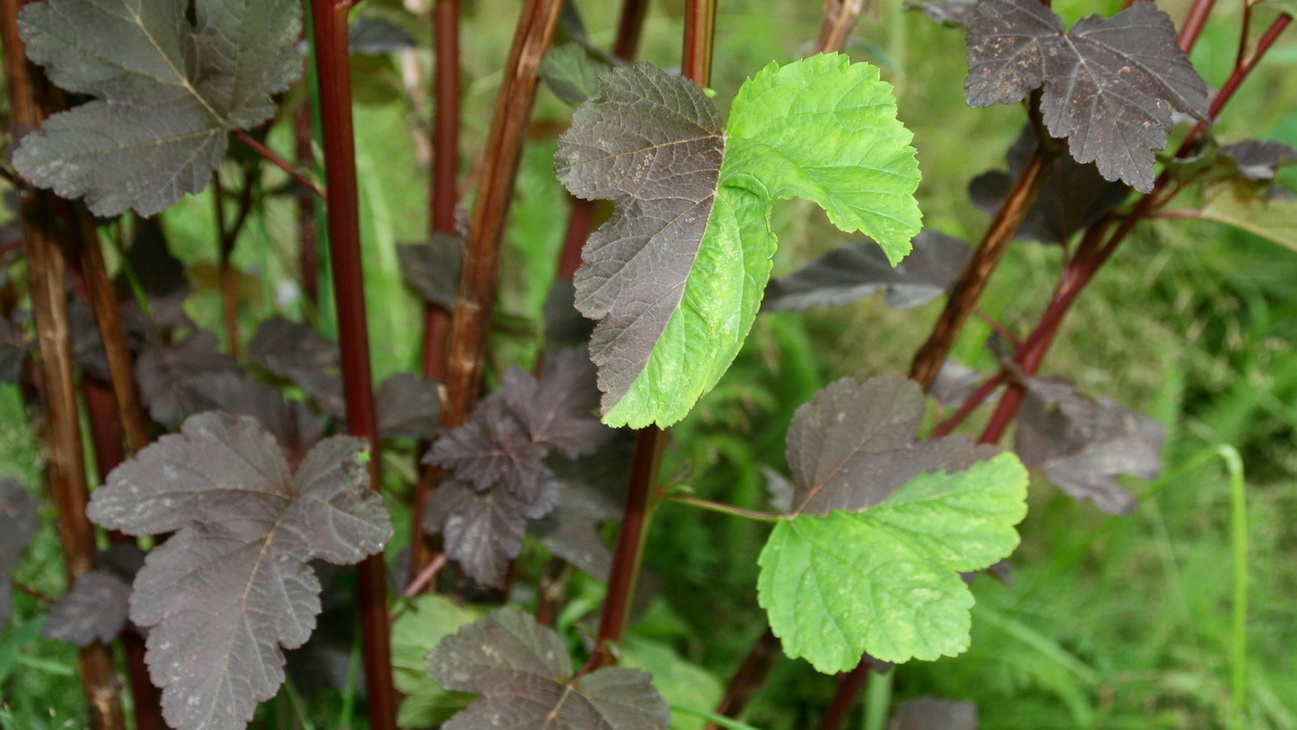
886	580
168	92
681	682
1274	219
424	623
676	276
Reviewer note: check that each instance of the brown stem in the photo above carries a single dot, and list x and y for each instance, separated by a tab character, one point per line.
31	99
480	277
839	18
972	281
333	72
700	32
103	302
750	677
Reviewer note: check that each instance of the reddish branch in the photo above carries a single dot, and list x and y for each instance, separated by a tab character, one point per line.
333	73
442	197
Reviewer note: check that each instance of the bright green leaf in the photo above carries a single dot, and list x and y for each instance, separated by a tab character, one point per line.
886	580
676	276
426	621
1274	219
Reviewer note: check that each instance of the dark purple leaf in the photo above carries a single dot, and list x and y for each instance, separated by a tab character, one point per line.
377	37
431	268
493	450
292	424
1109	85
930	713
123	559
854	444
652	143
95	609
168	92
482	530
564	325
1073	195
157	271
18	522
855	270
1259	160
167	376
592	493
952	13
523	674
299	354
1082	444
14	349
408	407
558	410
232	586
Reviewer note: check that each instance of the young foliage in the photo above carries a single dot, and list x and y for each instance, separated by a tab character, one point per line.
167	91
1083	444
855	270
868	558
497	461
18	522
1109	85
675	277
524	676
231	585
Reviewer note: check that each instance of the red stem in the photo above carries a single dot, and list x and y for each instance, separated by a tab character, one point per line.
334	74
1194	23
442	197
278	161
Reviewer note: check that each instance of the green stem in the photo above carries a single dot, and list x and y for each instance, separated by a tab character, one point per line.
724	509
333	69
1239	538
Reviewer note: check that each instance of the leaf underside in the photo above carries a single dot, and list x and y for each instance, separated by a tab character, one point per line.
855	270
522	672
1109	85
675	277
232	586
167	92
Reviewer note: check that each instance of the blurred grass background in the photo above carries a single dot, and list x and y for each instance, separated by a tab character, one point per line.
1112	623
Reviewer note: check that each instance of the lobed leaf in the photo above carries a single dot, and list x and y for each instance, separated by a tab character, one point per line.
522	672
675	277
167	92
482	530
18	522
886	580
231	586
167	376
1082	444
1109	85
300	354
408	406
855	270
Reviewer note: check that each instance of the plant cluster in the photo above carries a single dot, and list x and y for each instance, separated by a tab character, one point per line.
221	480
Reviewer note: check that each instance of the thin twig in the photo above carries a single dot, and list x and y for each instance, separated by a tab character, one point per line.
280	162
